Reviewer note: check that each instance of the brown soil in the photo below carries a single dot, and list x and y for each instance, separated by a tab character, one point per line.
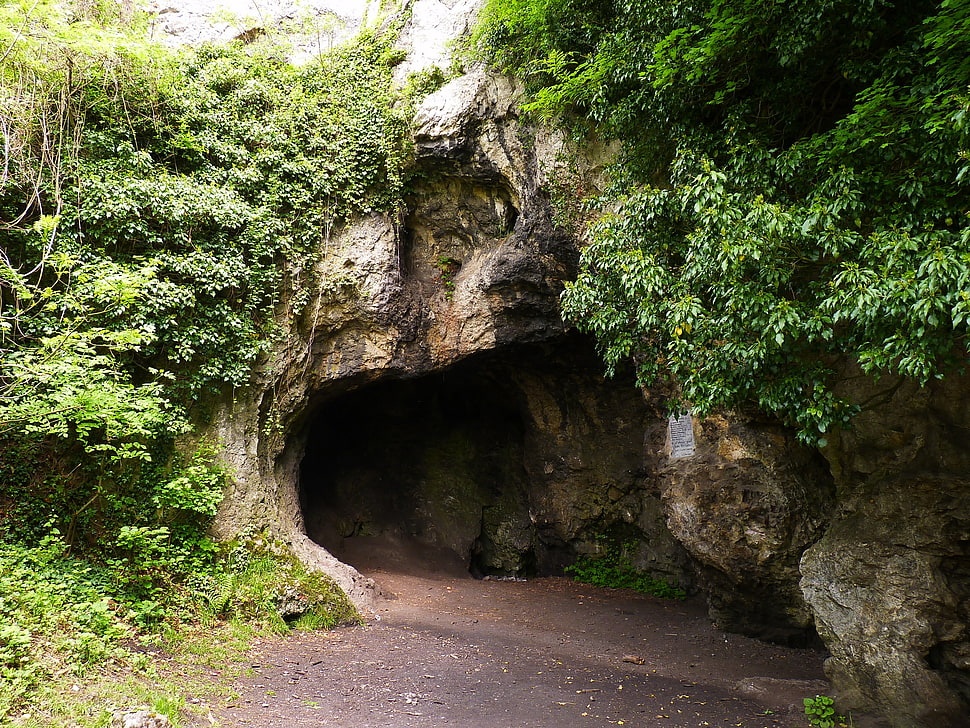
452	651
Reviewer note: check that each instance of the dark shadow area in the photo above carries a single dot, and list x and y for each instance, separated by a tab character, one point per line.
401	474
513	462
524	461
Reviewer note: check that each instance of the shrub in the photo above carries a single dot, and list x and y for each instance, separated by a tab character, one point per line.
820	711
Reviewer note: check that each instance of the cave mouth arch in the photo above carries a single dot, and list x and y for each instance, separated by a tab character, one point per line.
400	472
511	462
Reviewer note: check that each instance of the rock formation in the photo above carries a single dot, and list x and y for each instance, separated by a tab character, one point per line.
428	399
746	506
889	583
432	399
139	719
476	266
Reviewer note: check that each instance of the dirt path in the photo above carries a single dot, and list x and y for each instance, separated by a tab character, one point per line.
546	653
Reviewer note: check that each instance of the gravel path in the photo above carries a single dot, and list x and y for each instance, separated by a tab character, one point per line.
547	653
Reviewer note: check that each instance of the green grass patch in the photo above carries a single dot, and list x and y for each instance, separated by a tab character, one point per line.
75	644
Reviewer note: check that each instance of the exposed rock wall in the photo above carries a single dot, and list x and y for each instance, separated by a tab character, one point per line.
476	265
307	28
510	463
746	506
889	583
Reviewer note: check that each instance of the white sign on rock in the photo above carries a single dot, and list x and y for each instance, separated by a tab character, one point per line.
680	431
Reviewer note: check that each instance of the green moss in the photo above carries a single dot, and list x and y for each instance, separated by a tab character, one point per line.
282	594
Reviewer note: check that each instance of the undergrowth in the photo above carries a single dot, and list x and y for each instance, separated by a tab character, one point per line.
65	621
614	568
820	712
160	210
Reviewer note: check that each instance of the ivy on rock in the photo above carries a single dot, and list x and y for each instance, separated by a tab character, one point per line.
177	201
159	211
154	205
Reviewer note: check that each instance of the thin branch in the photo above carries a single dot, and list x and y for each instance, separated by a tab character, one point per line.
20	32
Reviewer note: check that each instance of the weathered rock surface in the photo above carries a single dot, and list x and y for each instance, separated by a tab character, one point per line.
139	719
512	463
477	265
190	22
746	506
307	28
890	581
430	31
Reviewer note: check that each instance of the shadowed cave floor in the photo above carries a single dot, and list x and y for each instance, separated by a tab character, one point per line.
453	651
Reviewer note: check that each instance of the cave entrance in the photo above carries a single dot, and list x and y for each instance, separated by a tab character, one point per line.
402	474
512	462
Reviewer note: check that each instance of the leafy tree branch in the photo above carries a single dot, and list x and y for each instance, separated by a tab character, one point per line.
792	194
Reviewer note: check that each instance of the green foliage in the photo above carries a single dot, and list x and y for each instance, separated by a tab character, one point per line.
424	82
614	569
159	210
65	615
261	581
195	489
176	204
447	270
174	497
792	196
53	608
820	711
189	198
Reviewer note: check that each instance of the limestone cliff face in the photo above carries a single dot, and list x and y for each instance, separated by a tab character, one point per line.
746	506
430	398
478	426
477	264
889	583
426	399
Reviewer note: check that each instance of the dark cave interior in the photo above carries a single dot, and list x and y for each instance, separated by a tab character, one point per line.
498	465
399	473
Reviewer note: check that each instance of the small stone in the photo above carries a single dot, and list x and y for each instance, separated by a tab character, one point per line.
139	719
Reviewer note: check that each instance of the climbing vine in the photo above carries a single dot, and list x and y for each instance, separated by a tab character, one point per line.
150	203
